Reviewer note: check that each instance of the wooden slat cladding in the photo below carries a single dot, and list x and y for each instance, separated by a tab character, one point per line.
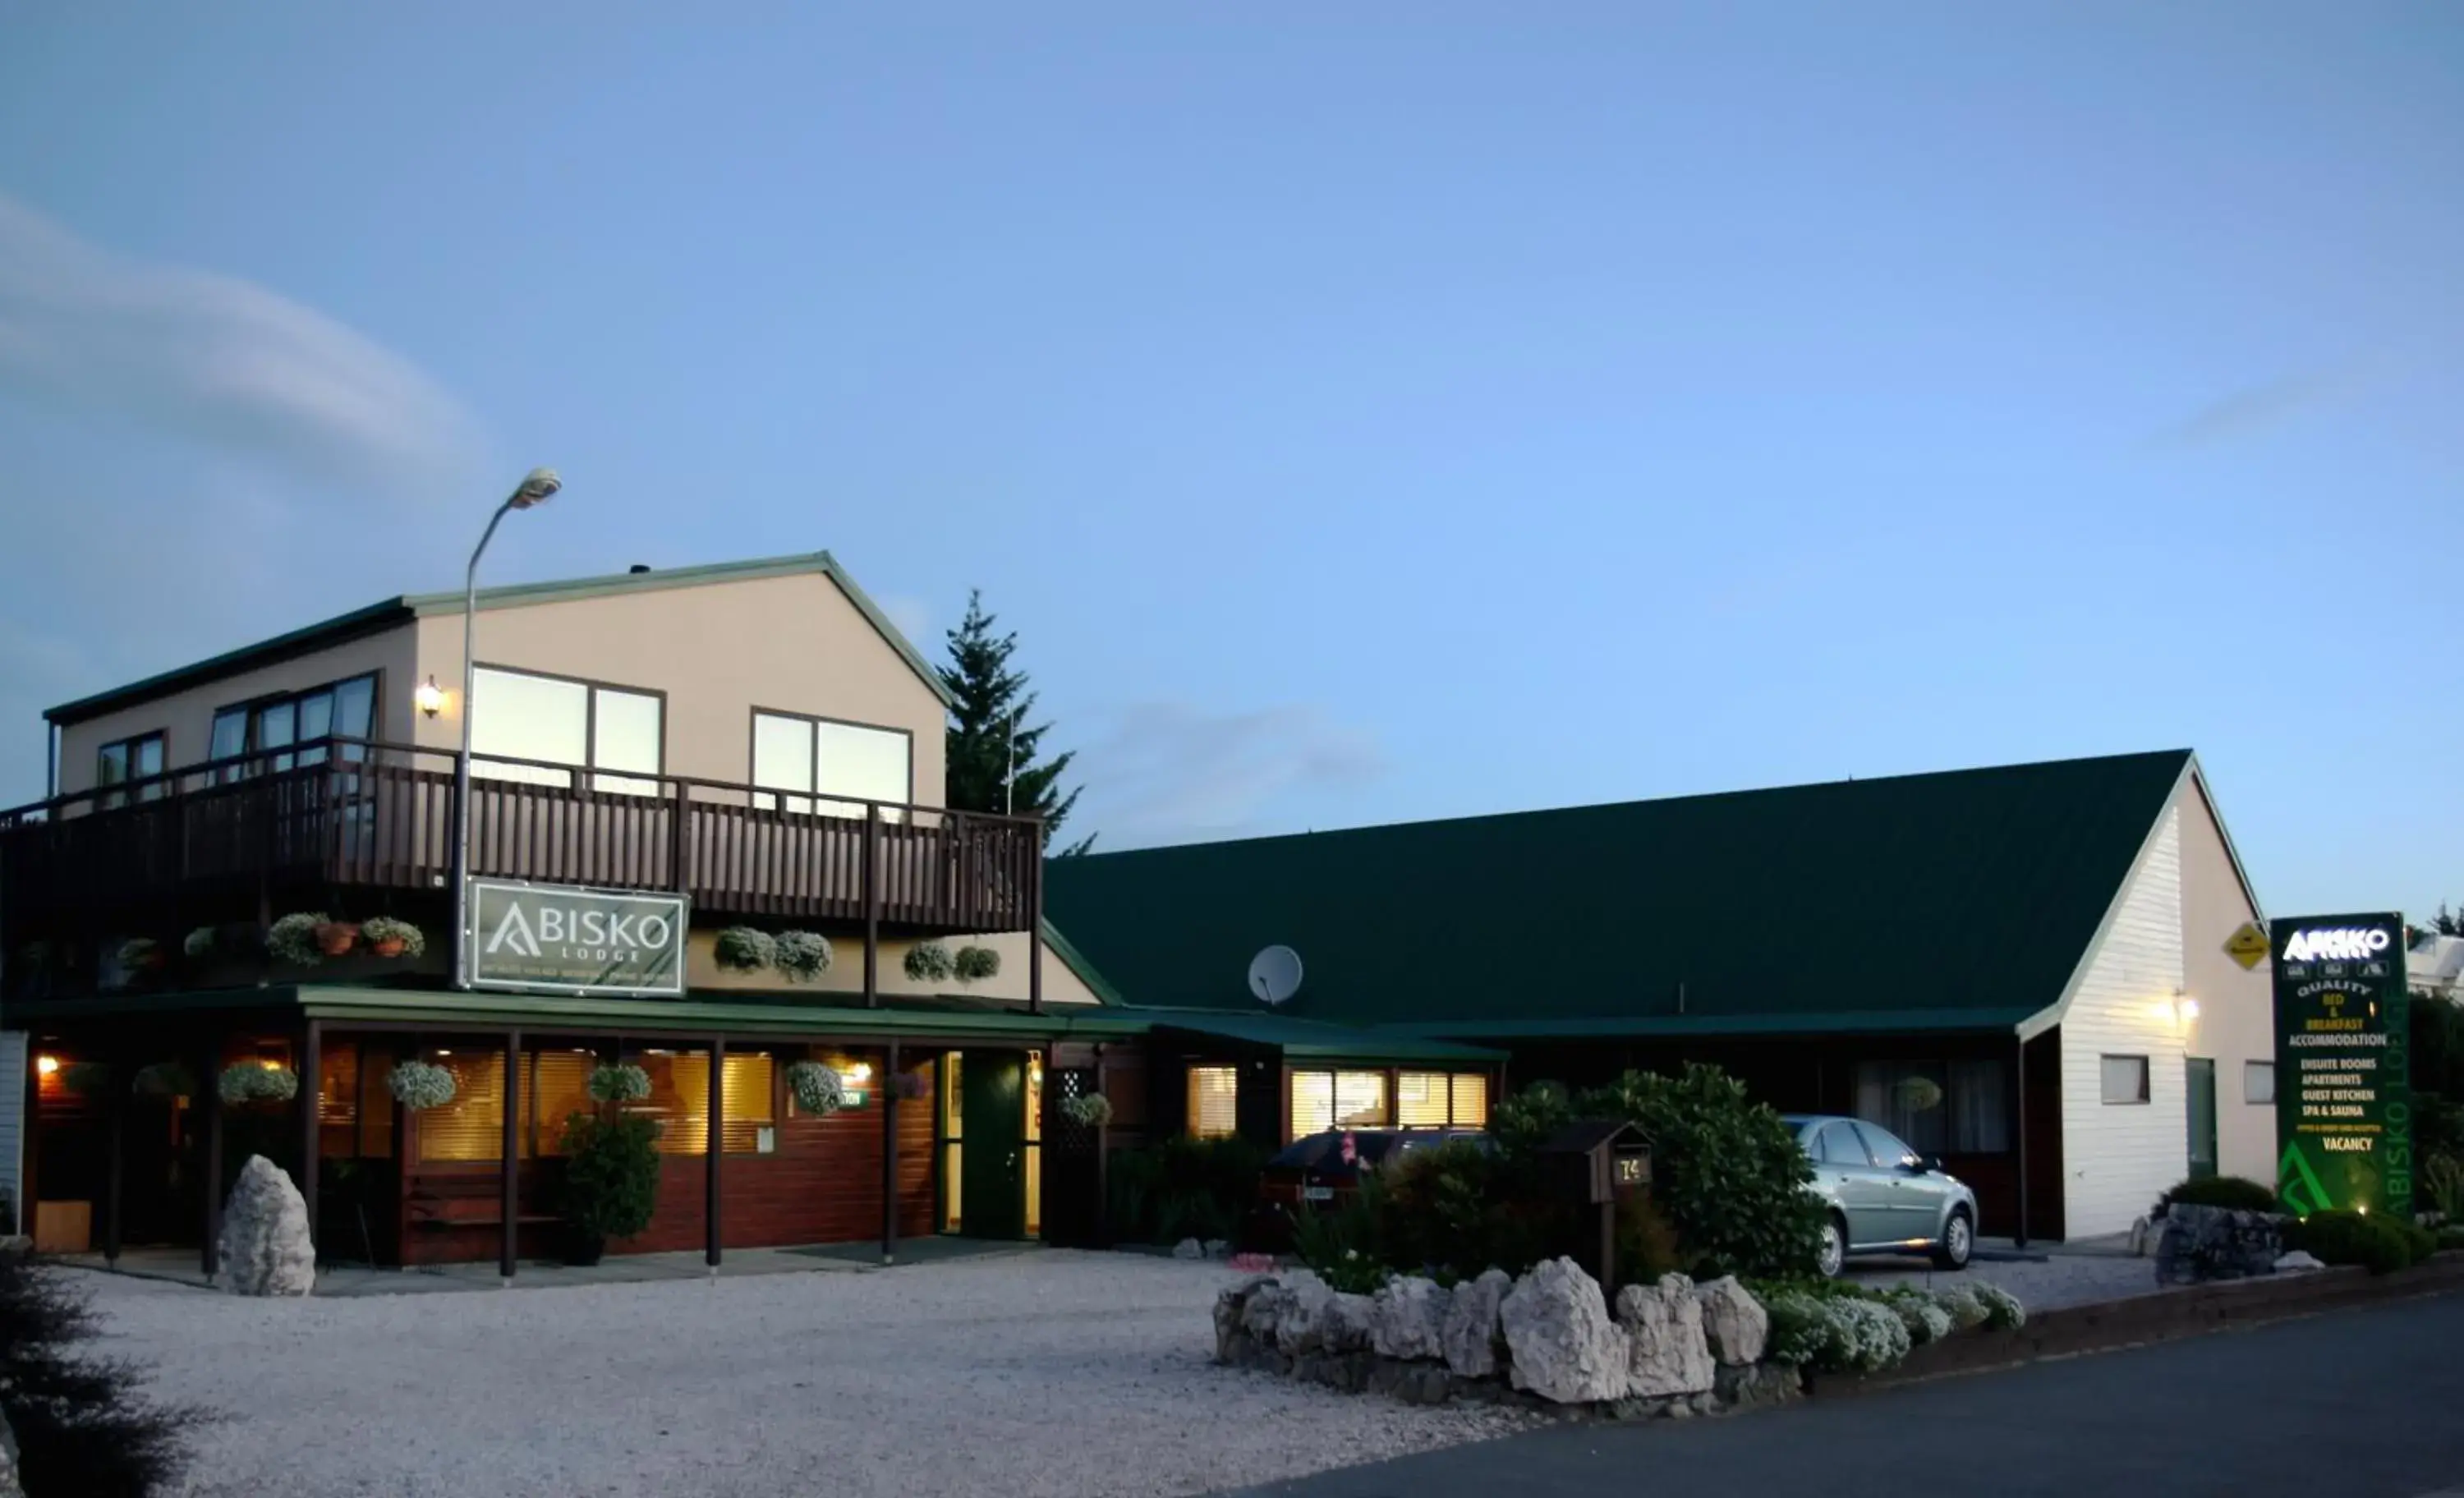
382	816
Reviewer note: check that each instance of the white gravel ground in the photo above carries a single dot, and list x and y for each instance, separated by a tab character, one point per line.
1052	1373
2062	1279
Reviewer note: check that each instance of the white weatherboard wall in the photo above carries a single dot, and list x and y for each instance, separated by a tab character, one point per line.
2118	1157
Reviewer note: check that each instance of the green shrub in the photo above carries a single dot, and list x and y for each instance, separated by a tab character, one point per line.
1725	1172
1341	1243
1185	1188
610	1184
2442	1184
2339	1237
2451	1238
82	1423
2236	1193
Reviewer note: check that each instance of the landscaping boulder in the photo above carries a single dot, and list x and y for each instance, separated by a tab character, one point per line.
1408	1317
1263	1316
265	1245
1733	1322
2297	1261
1347	1323
1468	1336
1189	1248
1231	1313
1565	1347
2206	1242
10	1486
1301	1322
1663	1323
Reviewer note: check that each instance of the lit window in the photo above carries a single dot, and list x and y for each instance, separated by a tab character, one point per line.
2258	1082
1423	1100
1472	1100
559	1088
1360	1100
471	1128
2124	1079
1214	1102
680	1100
1312	1103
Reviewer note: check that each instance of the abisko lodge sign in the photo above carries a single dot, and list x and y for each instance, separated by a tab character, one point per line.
593	941
2343	1099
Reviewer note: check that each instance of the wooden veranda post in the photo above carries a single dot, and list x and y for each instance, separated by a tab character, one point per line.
872	865
118	1110
209	1088
2020	1238
889	1158
310	1084
509	1178
715	1149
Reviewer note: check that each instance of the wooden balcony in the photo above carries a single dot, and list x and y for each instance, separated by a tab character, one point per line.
345	813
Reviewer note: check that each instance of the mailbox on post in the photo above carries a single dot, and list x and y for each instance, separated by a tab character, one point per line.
1601	1161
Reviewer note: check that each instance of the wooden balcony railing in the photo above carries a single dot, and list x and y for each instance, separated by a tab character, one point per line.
357	812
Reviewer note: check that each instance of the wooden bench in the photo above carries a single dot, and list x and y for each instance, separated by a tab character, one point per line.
433	1211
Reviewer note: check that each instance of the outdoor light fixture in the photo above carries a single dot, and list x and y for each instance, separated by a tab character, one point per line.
429	697
536	488
46	1065
860	1073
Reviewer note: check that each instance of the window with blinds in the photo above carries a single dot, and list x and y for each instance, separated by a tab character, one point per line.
680	1100
1323	1100
559	1088
338	1100
1423	1100
1471	1100
471	1128
1214	1102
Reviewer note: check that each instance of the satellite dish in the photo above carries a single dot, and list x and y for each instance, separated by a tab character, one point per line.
1275	974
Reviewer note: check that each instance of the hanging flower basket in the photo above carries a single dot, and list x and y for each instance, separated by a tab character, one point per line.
1093	1110
1917	1095
623	1083
294	938
337	937
200	943
930	962
141	954
742	949
802	956
818	1090
974	965
245	1082
419	1085
166	1079
389	937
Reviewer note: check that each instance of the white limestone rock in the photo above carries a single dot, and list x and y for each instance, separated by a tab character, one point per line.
1670	1356
1407	1318
1565	1348
1733	1322
1469	1336
1300	1323
2297	1261
1263	1316
1189	1248
1348	1320
265	1245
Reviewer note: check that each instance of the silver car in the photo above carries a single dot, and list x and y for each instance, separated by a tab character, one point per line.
1885	1198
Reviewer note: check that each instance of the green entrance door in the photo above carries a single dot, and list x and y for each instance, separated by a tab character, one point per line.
2202	1108
992	1167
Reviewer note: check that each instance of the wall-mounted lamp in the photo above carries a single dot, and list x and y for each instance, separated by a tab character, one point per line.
46	1065
858	1074
429	697
2180	1009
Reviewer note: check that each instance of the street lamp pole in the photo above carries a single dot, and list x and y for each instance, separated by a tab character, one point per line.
535	489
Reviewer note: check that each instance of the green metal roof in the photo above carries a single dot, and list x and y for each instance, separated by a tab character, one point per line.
394	612
1952	900
1313	1039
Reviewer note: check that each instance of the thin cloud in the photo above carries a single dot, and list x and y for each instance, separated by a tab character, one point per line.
217	360
2254	409
1171	770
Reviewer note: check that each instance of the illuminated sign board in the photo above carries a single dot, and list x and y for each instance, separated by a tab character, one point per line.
2343	1095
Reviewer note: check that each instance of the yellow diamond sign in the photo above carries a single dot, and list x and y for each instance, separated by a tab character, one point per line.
2247	946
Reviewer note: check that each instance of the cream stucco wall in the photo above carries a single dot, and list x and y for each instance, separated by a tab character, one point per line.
188	716
717	649
1060	984
2235	1022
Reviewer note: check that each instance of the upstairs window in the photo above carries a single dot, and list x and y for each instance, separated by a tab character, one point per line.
270	726
825	760
126	759
519	714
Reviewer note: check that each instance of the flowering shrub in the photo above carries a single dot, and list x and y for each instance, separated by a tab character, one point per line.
2002	1309
384	928
255	1082
294	938
802	956
930	962
624	1083
1967	1311
742	949
199	942
1920	1313
138	953
974	964
1093	1110
818	1090
418	1084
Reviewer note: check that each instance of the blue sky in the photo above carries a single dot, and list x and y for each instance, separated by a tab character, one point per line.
1429	410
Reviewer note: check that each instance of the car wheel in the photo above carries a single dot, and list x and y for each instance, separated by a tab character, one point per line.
1833	1251
1958	1241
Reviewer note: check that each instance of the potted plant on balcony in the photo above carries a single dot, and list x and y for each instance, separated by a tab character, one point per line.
389	937
974	965
610	1182
802	956
140	956
420	1085
742	949
244	1082
818	1088
294	938
337	937
930	962
199	944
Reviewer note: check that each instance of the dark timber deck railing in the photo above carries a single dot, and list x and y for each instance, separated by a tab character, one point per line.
358	812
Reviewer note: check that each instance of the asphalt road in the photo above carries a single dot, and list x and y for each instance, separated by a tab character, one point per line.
2367	1403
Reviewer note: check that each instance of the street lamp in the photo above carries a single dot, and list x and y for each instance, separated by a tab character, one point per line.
536	488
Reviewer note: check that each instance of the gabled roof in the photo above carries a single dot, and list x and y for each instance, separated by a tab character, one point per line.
393	612
1960	900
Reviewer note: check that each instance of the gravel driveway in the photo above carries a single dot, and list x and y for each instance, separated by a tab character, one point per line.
1050	1372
